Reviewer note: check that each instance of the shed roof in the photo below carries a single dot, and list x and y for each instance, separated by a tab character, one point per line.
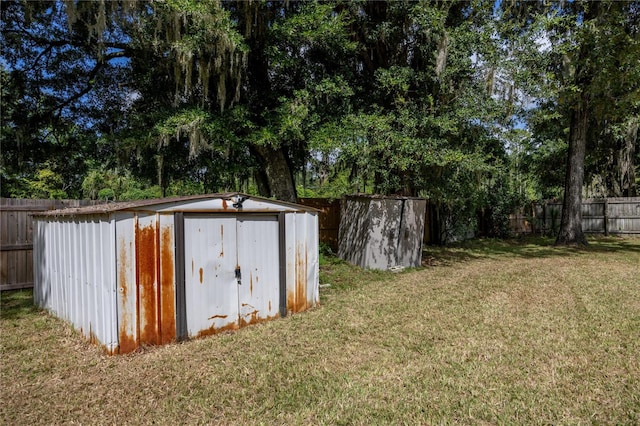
381	197
174	204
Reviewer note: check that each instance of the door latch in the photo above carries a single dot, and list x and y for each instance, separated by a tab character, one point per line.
238	275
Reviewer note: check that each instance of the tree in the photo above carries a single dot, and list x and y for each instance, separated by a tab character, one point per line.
585	80
601	75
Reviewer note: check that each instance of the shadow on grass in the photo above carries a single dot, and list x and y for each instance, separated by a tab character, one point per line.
524	247
16	304
342	275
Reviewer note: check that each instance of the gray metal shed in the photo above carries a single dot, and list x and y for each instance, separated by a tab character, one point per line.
155	271
381	232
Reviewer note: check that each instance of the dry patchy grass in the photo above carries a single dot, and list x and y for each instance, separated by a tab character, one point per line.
489	333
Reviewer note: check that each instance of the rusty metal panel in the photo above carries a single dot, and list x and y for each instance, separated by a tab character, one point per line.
147	267
146	280
113	274
74	274
302	275
211	289
167	273
126	283
258	260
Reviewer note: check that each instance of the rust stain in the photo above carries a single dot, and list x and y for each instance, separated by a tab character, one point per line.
251	283
93	339
146	270
168	287
269	305
213	330
224	204
218	316
291	299
192	267
254	319
201	275
126	342
122	273
297	302
221	240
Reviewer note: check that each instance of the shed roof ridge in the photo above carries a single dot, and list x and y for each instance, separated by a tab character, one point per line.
110	207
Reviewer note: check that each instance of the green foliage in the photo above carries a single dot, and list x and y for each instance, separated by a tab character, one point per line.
114	185
126	100
46	184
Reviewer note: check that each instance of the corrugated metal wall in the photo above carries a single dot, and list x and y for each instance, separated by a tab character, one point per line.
145	279
16	238
302	267
70	282
117	276
380	233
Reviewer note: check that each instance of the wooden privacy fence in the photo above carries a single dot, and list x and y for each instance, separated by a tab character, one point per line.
328	219
616	216
16	238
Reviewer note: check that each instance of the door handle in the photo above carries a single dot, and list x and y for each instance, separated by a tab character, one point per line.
238	275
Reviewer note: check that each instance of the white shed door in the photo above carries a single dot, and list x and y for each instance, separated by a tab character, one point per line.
259	261
231	271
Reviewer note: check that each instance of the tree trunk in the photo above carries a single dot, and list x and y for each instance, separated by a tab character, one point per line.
280	180
629	154
571	222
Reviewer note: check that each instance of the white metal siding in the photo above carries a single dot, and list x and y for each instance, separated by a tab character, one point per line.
68	280
211	290
302	271
259	262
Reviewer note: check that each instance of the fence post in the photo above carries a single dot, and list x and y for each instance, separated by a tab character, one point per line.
606	217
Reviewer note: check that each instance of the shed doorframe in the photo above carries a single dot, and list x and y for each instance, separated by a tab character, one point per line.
182	331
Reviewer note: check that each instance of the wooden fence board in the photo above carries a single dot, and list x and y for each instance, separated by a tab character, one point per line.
328	219
618	216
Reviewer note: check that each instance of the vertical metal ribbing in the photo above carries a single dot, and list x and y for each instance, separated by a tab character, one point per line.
181	302
282	247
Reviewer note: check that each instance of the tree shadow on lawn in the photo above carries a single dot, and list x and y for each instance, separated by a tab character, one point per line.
523	247
16	304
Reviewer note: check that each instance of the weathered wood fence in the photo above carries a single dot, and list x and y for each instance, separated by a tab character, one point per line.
608	216
328	219
16	238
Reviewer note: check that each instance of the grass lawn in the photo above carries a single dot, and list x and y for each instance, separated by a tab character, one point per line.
489	332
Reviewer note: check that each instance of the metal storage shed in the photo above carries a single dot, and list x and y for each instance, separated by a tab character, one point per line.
155	271
380	232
